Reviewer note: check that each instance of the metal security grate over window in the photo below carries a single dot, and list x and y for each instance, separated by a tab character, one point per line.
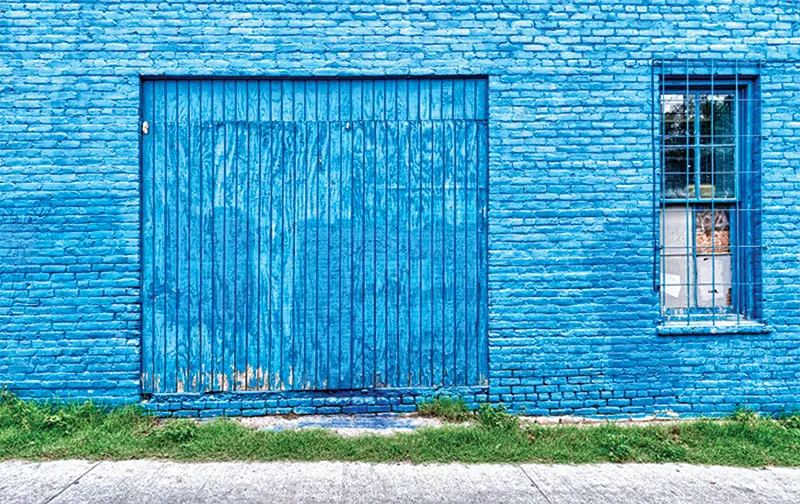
707	193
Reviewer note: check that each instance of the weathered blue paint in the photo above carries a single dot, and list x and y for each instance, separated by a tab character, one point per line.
347	230
571	313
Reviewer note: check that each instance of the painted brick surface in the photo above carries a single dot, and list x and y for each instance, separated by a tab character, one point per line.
572	308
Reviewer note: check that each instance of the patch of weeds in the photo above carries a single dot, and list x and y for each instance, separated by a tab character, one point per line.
177	431
618	447
669	447
497	417
445	408
745	416
791	421
47	416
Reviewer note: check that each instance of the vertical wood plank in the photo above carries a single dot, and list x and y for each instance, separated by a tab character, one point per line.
265	188
148	146
323	256
277	341
288	248
218	241
416	241
437	253
459	273
404	254
335	361
172	256
346	249
380	249
194	230
230	202
239	235
311	244
182	257
449	255
392	230
206	141
426	241
300	251
470	251
483	254
253	234
392	255
159	228
369	266
359	260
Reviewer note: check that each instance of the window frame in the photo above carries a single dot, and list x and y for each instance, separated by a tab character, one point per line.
744	211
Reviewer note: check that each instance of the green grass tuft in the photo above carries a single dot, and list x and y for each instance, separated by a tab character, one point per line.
497	417
44	431
445	408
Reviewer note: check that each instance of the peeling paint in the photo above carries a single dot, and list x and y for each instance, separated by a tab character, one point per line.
240	378
222	380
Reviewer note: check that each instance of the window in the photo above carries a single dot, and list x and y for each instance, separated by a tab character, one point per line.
709	214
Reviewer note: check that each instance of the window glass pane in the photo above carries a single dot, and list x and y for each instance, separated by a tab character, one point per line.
717	119
717	172
714	281
712	232
679	172
677	119
696	259
676	226
677	282
712	258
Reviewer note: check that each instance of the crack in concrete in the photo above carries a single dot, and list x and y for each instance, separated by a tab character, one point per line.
76	480
534	484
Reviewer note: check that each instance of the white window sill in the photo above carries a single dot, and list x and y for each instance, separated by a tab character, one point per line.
721	328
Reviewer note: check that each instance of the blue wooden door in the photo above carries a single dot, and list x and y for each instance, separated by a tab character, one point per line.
314	234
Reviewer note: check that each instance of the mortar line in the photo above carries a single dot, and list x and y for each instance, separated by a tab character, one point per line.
547	499
54	497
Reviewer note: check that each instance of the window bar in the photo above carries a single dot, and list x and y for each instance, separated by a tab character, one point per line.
655	173
754	181
713	197
697	197
756	200
687	152
662	177
736	153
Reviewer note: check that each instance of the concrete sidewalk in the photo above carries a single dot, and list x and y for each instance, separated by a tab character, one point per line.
152	481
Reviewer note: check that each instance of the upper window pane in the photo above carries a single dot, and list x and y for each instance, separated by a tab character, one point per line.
699	145
678	119
716	119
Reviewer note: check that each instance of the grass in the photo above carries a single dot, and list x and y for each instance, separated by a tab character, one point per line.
445	408
48	431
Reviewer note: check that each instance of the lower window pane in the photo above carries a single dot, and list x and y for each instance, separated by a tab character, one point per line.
697	274
712	231
714	281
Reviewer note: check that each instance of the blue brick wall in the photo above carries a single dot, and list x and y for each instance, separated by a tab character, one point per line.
572	307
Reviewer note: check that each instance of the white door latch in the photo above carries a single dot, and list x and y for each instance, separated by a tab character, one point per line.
145	127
